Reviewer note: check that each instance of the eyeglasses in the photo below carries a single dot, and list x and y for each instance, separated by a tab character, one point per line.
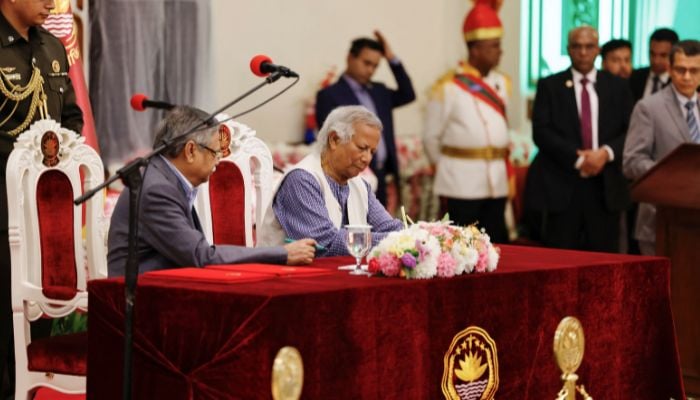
216	153
683	70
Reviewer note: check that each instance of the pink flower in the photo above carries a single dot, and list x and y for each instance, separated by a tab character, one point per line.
483	262
389	264
446	265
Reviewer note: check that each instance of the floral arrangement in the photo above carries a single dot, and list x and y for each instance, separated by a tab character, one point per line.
428	249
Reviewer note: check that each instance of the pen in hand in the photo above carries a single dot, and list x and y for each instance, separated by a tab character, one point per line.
318	246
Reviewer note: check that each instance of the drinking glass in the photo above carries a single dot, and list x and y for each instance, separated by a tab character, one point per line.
358	241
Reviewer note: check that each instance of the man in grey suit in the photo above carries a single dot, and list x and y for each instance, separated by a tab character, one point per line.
169	232
659	124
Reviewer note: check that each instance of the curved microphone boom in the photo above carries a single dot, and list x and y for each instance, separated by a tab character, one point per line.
140	102
262	66
131	174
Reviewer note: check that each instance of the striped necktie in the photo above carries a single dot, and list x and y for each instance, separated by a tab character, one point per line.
692	122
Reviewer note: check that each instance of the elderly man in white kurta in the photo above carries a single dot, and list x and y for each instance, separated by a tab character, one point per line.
466	132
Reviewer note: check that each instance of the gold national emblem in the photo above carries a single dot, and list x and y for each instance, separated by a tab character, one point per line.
225	140
471	366
50	148
55	66
61	7
287	374
569	345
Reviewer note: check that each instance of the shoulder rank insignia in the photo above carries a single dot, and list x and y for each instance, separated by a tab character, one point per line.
470	366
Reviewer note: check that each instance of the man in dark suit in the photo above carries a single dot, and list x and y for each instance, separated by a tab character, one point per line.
169	232
649	80
575	184
355	87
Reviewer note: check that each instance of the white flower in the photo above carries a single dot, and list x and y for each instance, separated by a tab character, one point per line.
429	251
493	259
465	256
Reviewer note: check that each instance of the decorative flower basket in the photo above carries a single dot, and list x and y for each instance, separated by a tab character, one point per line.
427	249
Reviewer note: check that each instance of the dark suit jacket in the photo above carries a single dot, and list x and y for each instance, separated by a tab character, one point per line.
638	82
167	234
385	100
557	133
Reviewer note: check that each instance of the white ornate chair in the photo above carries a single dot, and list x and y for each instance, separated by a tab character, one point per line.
48	260
232	201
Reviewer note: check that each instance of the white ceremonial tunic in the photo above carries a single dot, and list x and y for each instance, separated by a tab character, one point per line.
271	232
458	119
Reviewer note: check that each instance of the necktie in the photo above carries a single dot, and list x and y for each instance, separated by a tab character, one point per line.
656	84
692	122
195	218
586	125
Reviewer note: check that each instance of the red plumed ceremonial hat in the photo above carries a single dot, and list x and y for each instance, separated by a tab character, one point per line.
482	22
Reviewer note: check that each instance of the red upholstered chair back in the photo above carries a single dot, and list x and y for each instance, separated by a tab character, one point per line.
50	261
227	197
55	214
232	202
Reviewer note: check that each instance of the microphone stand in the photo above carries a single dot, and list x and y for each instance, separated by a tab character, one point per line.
130	174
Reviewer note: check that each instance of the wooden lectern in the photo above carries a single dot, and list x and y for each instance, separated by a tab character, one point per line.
673	185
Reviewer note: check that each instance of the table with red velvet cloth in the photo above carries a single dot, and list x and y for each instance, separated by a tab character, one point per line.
385	338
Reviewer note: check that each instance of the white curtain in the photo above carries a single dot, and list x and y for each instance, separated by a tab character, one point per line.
156	47
650	15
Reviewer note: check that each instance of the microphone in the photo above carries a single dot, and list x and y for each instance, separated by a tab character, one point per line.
261	65
140	102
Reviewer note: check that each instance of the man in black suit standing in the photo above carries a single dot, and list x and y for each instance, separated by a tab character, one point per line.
649	80
356	87
579	121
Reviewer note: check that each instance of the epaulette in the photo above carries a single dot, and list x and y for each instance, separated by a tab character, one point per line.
509	82
46	35
436	91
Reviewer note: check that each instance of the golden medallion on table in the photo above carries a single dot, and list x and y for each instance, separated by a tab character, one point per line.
569	346
287	374
470	366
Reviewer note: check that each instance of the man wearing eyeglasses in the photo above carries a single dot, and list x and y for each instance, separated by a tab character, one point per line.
170	234
660	123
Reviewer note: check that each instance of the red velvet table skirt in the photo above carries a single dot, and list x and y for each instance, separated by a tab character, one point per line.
385	338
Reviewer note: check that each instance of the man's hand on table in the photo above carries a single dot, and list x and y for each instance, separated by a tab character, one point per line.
301	252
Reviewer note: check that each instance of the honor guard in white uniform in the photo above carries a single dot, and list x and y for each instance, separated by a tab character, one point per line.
466	131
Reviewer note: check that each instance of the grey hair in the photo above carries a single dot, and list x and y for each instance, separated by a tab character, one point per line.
581	28
180	120
342	121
